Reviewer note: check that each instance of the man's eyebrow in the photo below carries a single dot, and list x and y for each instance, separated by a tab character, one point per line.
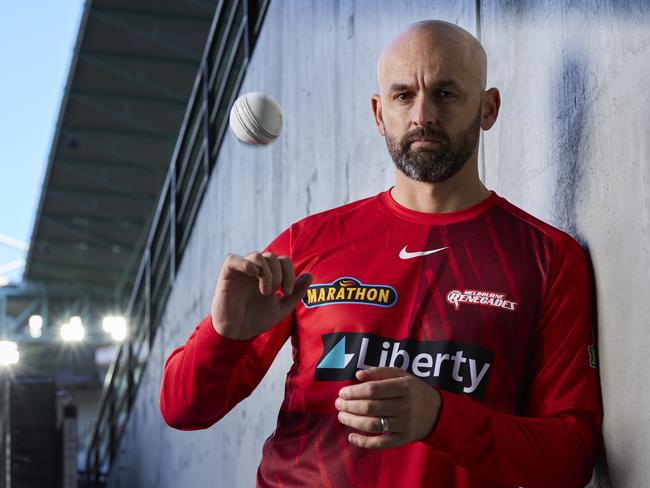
448	83
394	87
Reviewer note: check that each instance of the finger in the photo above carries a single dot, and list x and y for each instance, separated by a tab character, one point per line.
288	274
276	269
264	274
390	407
363	423
299	290
388	388
377	441
380	373
371	425
238	263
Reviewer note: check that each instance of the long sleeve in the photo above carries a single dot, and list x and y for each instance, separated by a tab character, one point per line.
553	443
205	378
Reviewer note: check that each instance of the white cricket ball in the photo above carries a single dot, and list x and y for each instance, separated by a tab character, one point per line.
256	119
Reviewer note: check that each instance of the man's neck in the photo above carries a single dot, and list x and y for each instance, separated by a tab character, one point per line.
456	193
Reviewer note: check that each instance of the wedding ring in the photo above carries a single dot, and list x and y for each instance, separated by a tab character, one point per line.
385	426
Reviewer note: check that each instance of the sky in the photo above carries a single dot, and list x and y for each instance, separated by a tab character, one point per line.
36	45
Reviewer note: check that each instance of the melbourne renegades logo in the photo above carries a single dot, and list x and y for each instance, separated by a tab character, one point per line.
480	297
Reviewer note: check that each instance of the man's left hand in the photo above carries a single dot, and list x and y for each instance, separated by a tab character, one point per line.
409	404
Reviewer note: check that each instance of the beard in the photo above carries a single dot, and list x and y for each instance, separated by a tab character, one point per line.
438	162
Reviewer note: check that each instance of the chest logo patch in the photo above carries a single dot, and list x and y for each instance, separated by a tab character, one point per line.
456	367
480	297
349	290
404	254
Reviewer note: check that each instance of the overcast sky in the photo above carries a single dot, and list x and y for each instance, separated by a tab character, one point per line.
36	43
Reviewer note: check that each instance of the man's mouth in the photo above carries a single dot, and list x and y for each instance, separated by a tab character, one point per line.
424	142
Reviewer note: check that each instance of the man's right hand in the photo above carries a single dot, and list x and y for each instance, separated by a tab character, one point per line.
245	303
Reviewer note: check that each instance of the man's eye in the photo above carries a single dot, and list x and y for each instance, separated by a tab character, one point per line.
444	94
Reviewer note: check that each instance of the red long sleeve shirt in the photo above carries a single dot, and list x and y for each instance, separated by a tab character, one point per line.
489	305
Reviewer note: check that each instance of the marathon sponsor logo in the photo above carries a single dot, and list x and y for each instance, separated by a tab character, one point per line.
459	368
349	290
480	297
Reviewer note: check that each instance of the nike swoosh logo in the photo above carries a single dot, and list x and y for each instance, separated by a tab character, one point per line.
404	254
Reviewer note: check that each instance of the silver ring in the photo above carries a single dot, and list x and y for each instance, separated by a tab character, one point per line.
385	426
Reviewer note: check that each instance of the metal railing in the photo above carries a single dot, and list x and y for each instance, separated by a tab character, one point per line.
231	40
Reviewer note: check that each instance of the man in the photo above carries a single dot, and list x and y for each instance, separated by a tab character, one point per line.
441	335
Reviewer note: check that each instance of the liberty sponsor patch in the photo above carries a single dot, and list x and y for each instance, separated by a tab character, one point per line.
480	297
349	290
459	368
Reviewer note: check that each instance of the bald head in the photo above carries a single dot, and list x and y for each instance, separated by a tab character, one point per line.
433	102
435	45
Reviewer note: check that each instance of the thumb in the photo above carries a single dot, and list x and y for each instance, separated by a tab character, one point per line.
299	289
379	373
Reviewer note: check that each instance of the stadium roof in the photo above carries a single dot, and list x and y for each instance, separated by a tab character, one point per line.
132	72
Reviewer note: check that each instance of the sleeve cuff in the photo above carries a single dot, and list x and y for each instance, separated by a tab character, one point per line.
450	409
209	336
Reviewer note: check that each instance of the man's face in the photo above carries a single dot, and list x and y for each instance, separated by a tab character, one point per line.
430	92
435	161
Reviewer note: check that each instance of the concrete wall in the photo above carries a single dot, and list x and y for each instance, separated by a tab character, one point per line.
569	147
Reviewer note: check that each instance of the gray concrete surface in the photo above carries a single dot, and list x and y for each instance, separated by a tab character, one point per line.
570	147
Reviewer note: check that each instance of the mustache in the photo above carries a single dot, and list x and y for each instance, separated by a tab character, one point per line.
424	132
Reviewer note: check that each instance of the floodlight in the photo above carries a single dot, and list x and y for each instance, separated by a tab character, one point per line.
8	353
118	330
107	323
115	326
73	331
35	322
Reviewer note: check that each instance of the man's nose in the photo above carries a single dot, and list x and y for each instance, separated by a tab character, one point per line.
423	111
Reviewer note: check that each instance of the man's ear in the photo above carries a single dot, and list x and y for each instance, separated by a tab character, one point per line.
375	102
491	104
